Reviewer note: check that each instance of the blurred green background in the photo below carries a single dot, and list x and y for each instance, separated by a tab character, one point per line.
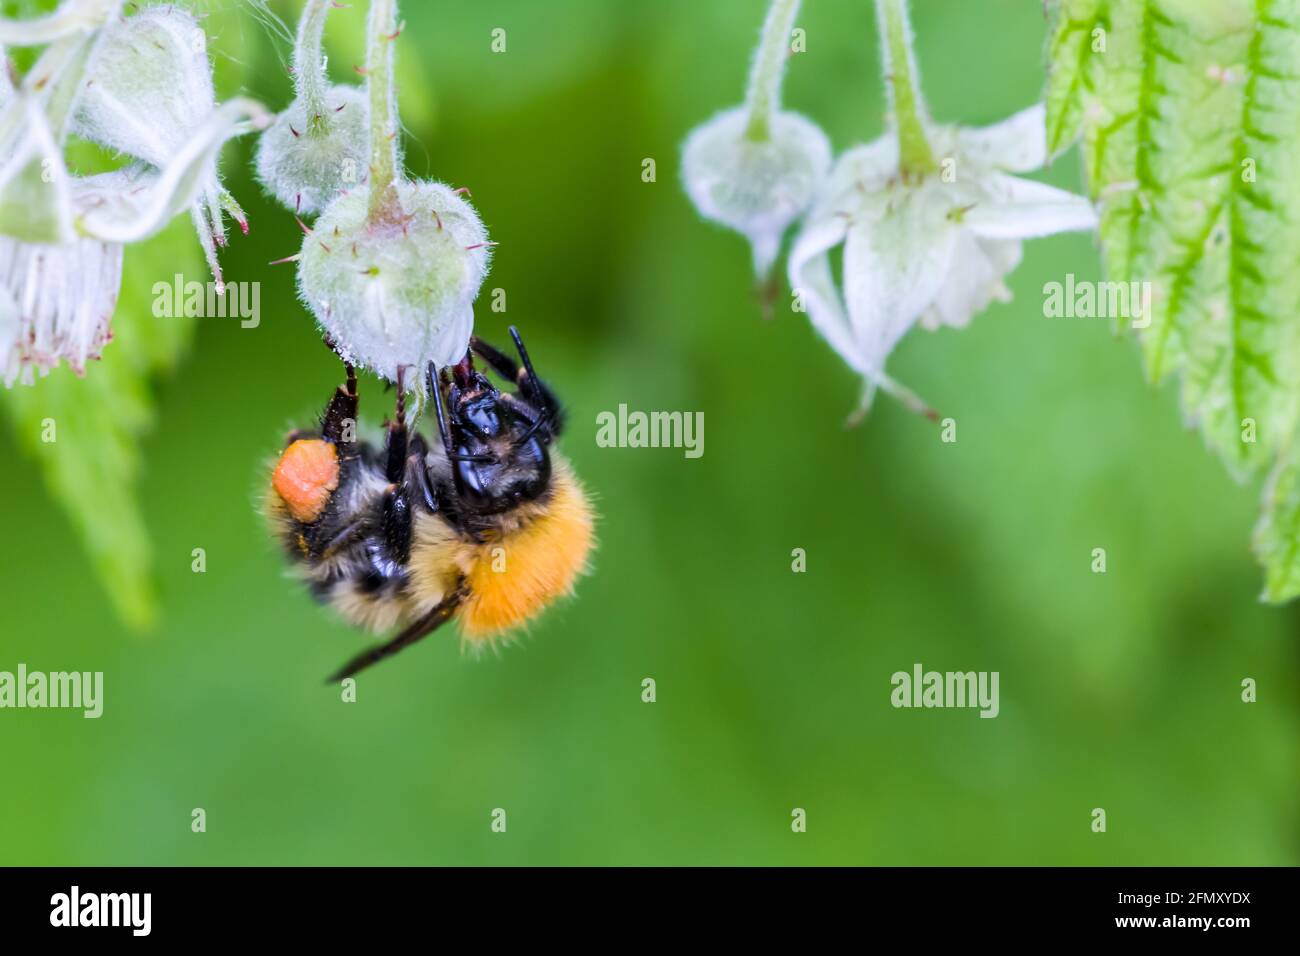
1118	690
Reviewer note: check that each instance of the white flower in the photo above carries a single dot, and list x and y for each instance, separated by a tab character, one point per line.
319	145
57	297
398	292
55	304
305	159
756	168
757	187
71	17
142	86
149	90
391	271
930	248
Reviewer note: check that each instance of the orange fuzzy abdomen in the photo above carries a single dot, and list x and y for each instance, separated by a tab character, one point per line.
308	473
514	578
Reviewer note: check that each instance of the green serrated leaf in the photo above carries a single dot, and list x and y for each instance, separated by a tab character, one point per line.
1277	536
1191	142
92	466
1075	57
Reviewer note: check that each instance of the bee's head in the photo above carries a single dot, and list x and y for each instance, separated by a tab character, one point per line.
496	442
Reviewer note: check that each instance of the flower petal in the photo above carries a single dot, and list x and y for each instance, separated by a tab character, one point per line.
35	201
65	296
1017	144
758	188
975	279
867	167
10	326
72	16
894	268
811	281
1024	209
150	85
130	205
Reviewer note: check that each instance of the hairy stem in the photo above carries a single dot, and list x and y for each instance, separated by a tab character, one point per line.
763	97
381	34
309	78
914	154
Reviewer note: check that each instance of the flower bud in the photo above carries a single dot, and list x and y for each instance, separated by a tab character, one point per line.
151	85
757	187
319	145
397	291
150	91
305	161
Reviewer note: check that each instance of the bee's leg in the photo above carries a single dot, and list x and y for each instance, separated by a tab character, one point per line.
435	381
397	523
340	539
422	628
339	423
398	441
332	533
419	484
397	499
531	387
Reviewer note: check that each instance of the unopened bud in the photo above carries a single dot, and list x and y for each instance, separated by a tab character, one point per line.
397	292
305	160
757	187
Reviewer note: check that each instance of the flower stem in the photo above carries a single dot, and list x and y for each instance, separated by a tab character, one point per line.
764	94
381	34
914	154
309	66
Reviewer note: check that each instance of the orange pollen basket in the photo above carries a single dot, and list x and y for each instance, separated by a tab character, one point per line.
308	473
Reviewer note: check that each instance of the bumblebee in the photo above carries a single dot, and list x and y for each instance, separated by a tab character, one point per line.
487	524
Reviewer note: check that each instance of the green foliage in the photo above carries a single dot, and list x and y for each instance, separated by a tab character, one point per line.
99	420
92	466
772	685
1189	113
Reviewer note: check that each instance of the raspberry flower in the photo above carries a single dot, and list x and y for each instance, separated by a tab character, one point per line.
149	93
317	146
928	221
756	168
61	236
391	271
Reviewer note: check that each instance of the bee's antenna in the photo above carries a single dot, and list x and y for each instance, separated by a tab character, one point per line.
436	392
543	420
443	430
534	389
